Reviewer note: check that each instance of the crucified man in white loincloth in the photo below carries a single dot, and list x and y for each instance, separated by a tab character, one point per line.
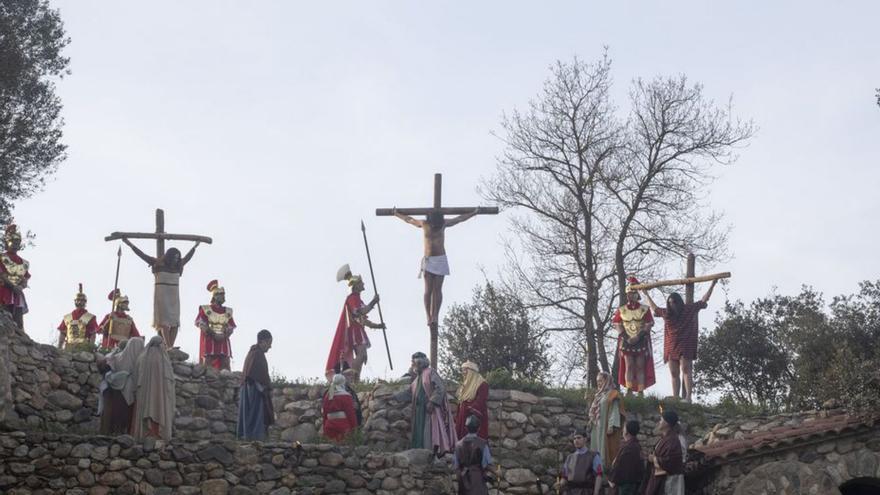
435	266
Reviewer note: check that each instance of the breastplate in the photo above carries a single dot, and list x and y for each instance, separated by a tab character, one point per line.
77	328
632	319
120	329
218	323
15	272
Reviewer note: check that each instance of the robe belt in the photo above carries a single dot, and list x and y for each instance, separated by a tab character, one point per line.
336	415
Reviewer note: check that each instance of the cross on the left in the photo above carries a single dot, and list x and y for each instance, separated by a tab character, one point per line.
167	267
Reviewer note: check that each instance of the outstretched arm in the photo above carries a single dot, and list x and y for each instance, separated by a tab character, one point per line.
650	301
406	218
708	293
189	255
461	218
142	255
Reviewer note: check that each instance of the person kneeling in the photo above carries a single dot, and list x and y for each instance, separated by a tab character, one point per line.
338	410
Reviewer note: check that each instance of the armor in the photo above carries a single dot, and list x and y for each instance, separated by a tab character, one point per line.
120	327
633	322
15	272
218	323
77	332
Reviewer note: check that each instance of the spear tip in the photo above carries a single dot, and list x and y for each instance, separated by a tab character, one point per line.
363	227
119	251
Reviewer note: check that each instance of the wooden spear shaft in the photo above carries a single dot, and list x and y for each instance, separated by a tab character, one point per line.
680	281
376	290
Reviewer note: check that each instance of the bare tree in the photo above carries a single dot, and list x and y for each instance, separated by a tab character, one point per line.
599	197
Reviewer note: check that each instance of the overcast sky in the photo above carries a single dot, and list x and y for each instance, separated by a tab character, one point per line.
275	127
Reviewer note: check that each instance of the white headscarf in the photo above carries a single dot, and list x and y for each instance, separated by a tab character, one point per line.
595	407
472	381
122	364
337	386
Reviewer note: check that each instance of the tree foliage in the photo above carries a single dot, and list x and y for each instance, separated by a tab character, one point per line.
600	194
496	331
796	352
31	40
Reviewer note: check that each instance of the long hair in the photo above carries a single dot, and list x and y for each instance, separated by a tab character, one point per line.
675	297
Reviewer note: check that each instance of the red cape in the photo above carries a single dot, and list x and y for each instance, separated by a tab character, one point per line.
341	349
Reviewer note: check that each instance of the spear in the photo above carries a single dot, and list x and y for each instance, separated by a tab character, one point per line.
115	288
376	290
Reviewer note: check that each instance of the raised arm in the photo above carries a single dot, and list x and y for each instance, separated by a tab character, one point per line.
650	301
460	218
189	255
406	218
142	255
708	293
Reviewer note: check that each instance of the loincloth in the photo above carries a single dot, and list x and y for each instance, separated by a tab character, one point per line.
438	265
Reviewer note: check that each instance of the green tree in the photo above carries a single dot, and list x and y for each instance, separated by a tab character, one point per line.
31	40
496	331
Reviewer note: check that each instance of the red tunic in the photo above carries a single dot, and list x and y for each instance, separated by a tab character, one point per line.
339	416
680	334
478	408
108	342
648	353
349	333
91	327
7	296
208	347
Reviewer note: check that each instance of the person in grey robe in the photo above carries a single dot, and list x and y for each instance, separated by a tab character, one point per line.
431	423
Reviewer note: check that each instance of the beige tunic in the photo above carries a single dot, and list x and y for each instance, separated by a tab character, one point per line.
166	300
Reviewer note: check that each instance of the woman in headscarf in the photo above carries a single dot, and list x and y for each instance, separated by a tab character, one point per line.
337	408
154	402
606	416
118	387
255	411
472	396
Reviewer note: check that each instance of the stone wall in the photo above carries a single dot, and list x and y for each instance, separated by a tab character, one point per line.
43	463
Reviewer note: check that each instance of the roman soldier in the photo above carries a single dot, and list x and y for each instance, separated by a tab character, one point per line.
14	275
350	343
633	322
78	327
117	326
216	323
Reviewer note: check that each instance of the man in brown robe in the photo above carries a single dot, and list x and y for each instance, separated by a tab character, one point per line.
668	459
471	460
255	412
628	467
582	471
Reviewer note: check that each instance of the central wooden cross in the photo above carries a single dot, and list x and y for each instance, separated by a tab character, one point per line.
438	207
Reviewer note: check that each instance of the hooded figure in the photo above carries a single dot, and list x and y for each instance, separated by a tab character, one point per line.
337	408
118	387
255	410
155	399
472	397
432	426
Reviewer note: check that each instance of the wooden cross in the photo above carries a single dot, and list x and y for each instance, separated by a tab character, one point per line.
459	210
481	210
688	282
160	235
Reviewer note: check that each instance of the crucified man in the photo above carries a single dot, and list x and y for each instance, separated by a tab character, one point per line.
435	266
166	297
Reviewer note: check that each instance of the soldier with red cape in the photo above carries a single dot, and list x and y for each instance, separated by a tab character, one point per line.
633	322
350	343
14	275
216	324
78	327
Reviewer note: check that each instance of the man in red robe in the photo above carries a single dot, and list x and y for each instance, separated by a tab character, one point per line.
78	327
117	326
216	323
350	343
14	275
667	477
472	396
633	322
337	409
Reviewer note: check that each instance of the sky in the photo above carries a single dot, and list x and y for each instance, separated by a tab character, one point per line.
276	127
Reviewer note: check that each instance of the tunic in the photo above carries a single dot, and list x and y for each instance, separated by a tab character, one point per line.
580	471
603	440
434	431
680	334
166	300
470	459
78	327
123	329
632	316
628	468
671	460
